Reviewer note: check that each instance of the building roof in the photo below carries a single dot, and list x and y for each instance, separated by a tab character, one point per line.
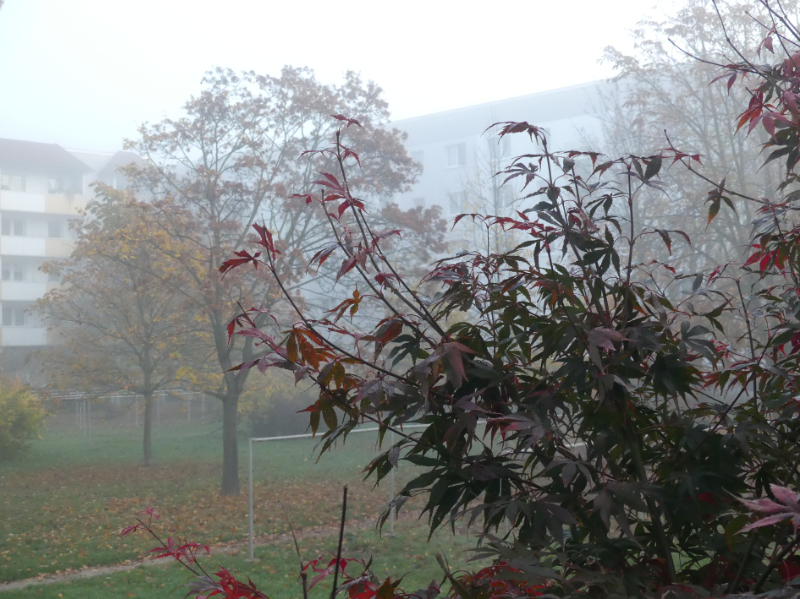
553	105
118	160
105	164
94	159
39	156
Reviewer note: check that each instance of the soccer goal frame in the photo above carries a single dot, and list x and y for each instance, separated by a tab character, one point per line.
250	499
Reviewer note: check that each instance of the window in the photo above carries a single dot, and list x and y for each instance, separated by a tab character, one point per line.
458	201
13	317
9	226
418	156
55	185
505	197
54	230
13	271
418	202
10	182
53	277
456	155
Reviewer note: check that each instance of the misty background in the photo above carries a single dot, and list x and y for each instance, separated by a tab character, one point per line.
85	74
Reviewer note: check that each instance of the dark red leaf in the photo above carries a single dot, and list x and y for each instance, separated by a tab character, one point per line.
347	266
341	117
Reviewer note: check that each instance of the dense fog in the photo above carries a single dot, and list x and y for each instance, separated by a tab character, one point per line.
249	251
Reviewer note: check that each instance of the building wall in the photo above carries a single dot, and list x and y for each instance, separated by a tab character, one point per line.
34	229
457	152
43	187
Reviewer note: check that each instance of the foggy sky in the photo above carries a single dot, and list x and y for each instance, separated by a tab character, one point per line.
84	73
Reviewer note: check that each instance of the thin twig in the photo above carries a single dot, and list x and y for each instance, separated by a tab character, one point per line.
732	587
341	538
774	562
303	575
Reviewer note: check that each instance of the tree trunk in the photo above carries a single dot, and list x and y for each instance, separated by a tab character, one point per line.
148	429
230	448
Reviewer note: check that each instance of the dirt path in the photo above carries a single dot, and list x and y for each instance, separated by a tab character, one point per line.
228	548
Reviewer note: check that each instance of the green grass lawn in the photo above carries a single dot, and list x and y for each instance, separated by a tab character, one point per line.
64	502
405	554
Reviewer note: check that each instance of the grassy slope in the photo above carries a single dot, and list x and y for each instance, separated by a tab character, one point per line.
407	553
64	502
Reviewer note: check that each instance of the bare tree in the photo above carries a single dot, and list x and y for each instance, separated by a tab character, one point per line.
662	97
237	159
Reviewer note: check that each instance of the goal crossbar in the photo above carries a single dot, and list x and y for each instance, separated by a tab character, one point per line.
251	527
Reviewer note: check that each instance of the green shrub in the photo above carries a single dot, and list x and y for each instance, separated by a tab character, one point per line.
21	417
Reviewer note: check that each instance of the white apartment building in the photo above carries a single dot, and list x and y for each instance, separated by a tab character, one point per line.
459	157
42	187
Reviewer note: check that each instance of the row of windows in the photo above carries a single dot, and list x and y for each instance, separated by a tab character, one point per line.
457	202
17	227
20	272
505	199
456	154
12	182
14	317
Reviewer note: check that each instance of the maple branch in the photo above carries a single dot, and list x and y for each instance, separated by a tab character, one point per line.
422	310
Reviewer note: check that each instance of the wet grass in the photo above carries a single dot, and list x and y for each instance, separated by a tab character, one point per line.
406	554
64	502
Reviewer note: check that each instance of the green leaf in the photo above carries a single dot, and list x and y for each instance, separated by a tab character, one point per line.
698	281
329	415
713	210
653	167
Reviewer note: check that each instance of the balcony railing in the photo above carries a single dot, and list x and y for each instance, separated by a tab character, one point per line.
49	203
23	336
22	291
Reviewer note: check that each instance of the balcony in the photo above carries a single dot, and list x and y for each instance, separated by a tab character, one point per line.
50	203
24	246
58	248
19	291
23	336
36	246
70	204
21	201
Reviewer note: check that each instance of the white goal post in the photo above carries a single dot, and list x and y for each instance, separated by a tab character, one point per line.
251	531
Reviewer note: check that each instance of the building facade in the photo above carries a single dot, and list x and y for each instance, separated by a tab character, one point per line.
42	188
460	157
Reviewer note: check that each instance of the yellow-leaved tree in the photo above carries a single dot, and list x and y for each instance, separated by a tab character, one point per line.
117	325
